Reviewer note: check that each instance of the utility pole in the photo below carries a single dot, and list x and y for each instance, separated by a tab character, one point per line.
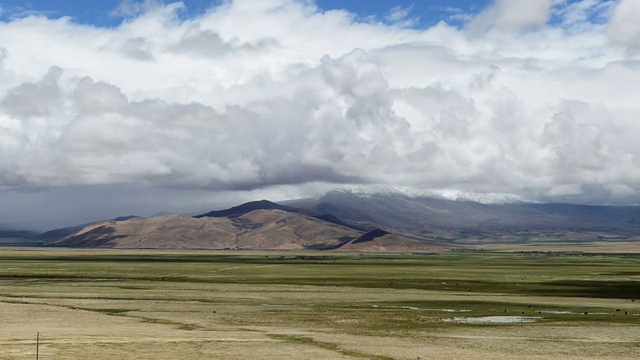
37	344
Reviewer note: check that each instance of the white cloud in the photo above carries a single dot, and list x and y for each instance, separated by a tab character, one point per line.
100	97
398	13
35	99
267	95
401	16
625	23
129	8
579	13
512	16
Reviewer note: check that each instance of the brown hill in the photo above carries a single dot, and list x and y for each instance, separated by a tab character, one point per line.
170	231
259	229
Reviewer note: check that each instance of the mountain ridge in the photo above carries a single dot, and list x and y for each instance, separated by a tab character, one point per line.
451	220
259	229
365	221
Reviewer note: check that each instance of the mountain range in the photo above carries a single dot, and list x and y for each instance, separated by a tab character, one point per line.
466	222
344	220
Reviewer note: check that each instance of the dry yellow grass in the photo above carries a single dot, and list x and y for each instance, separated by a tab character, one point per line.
234	317
227	330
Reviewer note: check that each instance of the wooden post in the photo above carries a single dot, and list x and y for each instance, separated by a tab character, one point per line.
37	344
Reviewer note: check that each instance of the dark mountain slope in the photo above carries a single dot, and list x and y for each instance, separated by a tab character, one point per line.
246	208
436	218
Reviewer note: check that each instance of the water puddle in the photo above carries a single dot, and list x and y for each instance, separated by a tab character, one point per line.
493	319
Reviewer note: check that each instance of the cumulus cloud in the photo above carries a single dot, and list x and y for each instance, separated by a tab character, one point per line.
137	48
3	55
512	16
624	26
279	97
35	99
208	43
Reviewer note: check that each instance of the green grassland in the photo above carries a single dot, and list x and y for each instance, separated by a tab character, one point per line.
115	304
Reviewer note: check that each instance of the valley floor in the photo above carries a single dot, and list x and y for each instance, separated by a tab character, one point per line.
110	304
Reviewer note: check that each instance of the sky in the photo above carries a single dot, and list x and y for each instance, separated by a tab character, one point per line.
111	108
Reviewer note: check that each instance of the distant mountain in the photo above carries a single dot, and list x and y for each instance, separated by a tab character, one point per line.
384	221
60	233
469	221
239	228
18	238
23	234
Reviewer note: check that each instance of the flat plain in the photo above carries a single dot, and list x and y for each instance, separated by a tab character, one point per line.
122	304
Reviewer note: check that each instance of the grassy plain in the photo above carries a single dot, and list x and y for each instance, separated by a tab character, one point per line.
117	304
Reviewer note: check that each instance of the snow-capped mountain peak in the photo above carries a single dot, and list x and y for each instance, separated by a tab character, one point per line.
449	194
